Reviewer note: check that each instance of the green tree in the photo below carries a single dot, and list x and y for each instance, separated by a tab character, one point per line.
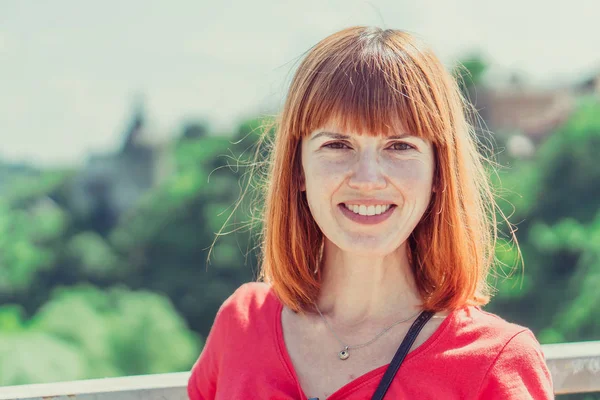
83	332
557	212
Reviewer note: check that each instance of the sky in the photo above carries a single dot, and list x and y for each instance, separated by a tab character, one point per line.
72	71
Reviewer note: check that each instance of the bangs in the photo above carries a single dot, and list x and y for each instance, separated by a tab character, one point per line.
371	87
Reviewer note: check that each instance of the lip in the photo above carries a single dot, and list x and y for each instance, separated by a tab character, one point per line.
367	219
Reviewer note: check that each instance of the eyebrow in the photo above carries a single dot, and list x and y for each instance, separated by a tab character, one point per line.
340	136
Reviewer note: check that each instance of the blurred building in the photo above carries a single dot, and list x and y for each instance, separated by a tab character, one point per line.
109	184
522	116
529	112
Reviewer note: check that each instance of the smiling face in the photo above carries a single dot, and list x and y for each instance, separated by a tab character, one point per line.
366	193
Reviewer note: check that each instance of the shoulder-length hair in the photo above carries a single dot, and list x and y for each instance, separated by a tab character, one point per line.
365	78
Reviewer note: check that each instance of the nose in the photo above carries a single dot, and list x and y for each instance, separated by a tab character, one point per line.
367	174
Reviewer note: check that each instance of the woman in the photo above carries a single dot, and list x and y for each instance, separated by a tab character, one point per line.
378	214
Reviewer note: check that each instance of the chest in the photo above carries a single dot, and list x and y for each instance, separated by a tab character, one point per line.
322	374
314	353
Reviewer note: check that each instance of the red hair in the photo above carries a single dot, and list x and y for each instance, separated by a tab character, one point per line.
366	78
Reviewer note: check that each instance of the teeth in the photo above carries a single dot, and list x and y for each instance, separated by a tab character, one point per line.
367	210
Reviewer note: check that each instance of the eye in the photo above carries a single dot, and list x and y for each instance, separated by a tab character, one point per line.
337	146
401	146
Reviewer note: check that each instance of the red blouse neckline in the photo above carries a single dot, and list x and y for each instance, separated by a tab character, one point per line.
361	380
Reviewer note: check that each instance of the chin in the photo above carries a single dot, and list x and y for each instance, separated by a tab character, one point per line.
371	247
369	253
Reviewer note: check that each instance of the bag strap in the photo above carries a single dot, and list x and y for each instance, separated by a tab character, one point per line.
401	353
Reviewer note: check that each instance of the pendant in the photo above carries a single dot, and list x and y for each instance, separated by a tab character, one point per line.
344	354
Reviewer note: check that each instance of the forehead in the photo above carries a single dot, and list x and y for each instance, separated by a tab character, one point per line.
354	127
334	129
324	134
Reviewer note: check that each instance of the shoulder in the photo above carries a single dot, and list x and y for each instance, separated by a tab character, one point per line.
242	316
519	371
473	337
248	295
486	330
239	320
248	301
508	354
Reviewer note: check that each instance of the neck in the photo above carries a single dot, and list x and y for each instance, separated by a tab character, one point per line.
358	289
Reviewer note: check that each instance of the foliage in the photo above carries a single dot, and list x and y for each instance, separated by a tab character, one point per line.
83	332
159	246
557	213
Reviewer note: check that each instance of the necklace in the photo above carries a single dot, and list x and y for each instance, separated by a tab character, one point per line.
345	352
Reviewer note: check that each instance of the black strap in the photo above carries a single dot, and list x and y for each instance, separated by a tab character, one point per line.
401	353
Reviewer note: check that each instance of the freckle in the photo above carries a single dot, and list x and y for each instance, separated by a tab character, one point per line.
351	377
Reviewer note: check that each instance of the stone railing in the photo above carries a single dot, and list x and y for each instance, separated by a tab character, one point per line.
575	368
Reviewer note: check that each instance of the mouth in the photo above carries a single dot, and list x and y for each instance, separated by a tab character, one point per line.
367	214
368	210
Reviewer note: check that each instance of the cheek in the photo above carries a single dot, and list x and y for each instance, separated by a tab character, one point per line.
323	178
322	174
411	176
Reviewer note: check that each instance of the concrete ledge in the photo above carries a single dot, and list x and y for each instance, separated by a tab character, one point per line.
144	387
575	368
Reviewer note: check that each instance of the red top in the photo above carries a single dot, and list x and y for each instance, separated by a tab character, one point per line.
472	355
